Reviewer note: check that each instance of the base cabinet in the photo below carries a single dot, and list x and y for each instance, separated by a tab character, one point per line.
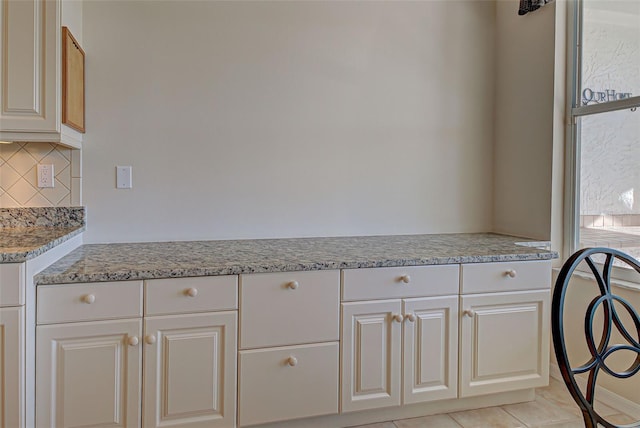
190	370
12	366
161	370
393	343
504	342
89	374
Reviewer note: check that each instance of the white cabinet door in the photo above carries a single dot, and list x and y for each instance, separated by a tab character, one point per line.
12	367
190	370
504	342
371	351
28	56
430	360
89	374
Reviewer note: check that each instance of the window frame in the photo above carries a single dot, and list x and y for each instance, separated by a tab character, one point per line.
574	112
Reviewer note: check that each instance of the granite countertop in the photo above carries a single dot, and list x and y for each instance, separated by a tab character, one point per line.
26	233
136	261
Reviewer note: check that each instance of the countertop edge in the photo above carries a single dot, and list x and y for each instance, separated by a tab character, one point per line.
23	256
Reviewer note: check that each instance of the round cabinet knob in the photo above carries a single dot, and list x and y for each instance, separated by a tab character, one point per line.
410	317
292	361
405	278
469	313
150	339
293	285
398	318
191	292
510	273
133	340
88	298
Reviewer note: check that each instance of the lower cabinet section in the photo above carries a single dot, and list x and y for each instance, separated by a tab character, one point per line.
504	342
88	374
389	343
190	370
12	366
182	359
288	382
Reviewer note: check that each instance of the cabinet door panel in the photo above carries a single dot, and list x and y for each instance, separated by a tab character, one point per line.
505	342
12	367
430	349
190	370
28	87
371	342
88	374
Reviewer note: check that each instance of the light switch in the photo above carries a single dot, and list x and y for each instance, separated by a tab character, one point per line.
123	177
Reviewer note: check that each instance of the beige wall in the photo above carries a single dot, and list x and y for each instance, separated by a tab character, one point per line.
274	119
524	111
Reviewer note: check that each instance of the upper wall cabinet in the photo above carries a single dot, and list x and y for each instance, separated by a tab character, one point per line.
31	69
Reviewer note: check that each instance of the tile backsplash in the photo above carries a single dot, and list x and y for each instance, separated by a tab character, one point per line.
18	175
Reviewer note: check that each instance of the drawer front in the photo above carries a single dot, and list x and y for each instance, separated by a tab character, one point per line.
289	308
86	302
12	284
399	282
289	382
506	276
187	295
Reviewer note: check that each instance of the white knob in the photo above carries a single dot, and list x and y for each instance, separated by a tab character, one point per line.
405	278
469	312
398	317
510	273
88	298
292	361
410	317
191	292
133	340
150	339
293	285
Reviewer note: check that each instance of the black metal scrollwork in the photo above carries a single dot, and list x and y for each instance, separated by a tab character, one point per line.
601	350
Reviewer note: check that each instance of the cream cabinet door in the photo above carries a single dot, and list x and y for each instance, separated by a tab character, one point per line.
371	350
190	370
29	86
89	374
12	367
504	342
430	358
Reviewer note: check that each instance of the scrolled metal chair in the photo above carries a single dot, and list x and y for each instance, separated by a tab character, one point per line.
606	305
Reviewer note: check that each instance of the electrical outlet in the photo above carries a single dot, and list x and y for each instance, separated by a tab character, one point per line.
45	175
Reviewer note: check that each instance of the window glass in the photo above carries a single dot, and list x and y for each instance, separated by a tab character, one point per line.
610	181
610	60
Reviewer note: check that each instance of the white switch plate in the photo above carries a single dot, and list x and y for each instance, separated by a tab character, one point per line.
123	177
45	175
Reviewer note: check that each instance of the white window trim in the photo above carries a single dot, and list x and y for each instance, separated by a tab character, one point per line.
574	112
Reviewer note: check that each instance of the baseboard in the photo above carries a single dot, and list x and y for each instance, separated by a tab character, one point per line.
607	397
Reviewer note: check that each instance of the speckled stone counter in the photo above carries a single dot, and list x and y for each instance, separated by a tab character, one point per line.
118	262
26	233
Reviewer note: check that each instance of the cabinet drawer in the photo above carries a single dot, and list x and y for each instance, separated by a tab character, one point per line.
85	302
289	382
398	282
289	308
11	284
505	276
186	295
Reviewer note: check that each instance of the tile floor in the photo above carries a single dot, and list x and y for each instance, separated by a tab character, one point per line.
553	407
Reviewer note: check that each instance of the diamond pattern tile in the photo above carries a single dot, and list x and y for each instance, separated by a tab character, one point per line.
39	150
18	175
